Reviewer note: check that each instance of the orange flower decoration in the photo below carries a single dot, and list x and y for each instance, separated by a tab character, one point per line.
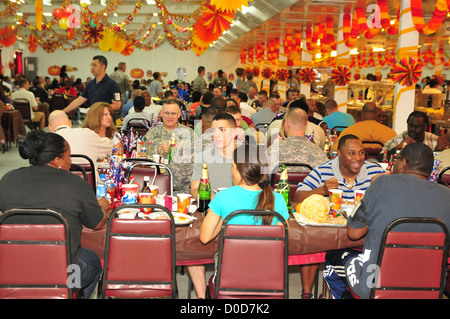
341	75
267	73
32	43
7	36
306	75
282	74
407	71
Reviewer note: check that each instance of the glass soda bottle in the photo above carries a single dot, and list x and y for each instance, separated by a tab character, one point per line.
283	187
326	148
146	185
171	148
204	191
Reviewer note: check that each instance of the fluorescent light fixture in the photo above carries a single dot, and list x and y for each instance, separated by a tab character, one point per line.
333	53
103	3
318	55
47	2
47	14
354	51
244	9
378	49
155	14
151	2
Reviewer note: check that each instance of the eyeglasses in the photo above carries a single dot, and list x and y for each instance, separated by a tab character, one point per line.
397	156
170	113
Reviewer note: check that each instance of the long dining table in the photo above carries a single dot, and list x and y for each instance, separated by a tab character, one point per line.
307	243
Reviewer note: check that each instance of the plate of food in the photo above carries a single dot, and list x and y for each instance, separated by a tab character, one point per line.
315	211
180	219
127	213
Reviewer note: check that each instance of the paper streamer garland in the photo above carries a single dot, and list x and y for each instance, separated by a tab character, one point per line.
341	75
407	71
436	20
306	75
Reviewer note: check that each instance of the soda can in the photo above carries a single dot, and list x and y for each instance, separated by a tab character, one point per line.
334	155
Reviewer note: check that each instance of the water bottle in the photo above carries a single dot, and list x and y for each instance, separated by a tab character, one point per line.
101	187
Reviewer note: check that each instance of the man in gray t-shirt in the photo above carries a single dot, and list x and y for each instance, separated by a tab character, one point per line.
407	193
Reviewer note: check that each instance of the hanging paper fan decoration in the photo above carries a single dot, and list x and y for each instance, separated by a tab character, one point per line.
215	19
229	5
407	71
282	74
93	35
341	75
7	36
256	72
118	44
267	73
129	49
32	43
306	75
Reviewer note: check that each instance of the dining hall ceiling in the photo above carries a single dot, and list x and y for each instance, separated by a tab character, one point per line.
260	22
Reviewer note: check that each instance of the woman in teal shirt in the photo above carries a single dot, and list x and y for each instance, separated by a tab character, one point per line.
252	190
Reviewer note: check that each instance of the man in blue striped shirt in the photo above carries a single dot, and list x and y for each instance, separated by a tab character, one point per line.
348	171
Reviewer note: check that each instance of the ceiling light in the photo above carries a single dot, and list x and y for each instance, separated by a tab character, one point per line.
354	51
151	2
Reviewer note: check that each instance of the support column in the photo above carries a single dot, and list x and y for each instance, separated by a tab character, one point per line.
342	58
305	88
408	41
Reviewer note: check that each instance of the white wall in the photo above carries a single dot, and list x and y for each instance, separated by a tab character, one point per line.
163	59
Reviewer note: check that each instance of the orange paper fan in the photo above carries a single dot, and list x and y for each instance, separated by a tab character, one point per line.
407	71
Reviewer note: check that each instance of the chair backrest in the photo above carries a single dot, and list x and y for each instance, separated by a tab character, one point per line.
423	100
79	171
23	105
252	259
143	167
412	265
139	125
34	255
89	169
140	256
444	175
293	177
58	102
437	100
262	127
372	150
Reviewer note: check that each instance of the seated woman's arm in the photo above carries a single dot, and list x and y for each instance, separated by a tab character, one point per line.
210	228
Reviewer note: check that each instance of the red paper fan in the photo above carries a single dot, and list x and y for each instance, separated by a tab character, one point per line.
407	71
32	43
341	75
306	75
282	74
92	35
129	49
256	72
267	73
7	36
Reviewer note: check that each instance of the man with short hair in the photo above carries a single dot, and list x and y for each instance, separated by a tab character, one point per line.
335	118
416	132
122	80
248	83
220	80
406	193
199	82
129	105
24	93
265	114
291	95
156	87
348	171
138	112
82	141
150	109
246	109
261	99
218	156
251	95
102	89
67	89
368	129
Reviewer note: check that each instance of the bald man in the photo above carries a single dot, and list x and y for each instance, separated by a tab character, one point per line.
81	140
369	130
296	148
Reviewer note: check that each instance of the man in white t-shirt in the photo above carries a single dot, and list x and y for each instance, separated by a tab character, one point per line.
24	93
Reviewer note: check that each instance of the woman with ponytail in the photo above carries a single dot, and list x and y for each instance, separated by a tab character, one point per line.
47	183
252	190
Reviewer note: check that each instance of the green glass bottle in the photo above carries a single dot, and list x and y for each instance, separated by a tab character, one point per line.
283	187
172	148
204	191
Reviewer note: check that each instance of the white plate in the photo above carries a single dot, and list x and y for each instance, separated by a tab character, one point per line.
180	219
128	213
307	222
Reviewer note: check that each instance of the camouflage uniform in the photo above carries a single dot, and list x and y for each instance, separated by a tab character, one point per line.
182	159
199	84
124	83
296	149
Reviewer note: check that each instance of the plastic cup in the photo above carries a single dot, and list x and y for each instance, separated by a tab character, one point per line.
156	158
147	198
154	190
129	193
335	198
183	202
358	195
171	203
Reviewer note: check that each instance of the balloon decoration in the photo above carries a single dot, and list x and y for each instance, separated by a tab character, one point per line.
307	75
407	71
341	75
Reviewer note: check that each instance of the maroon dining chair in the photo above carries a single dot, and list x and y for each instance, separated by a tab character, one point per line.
139	125
34	255
146	167
57	102
412	265
372	150
253	260
444	176
23	106
294	178
139	256
87	169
